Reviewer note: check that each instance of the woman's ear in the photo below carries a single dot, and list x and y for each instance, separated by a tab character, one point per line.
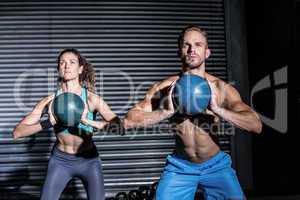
81	69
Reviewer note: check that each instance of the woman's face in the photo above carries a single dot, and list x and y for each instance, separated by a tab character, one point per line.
69	68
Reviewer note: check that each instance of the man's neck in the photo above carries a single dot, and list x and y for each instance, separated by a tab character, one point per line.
200	71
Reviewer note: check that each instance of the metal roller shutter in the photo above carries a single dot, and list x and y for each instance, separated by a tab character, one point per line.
132	44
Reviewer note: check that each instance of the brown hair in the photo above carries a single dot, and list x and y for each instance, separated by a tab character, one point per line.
187	29
87	77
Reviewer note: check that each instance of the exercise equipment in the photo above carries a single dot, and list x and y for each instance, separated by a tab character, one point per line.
121	196
145	192
134	195
67	109
191	94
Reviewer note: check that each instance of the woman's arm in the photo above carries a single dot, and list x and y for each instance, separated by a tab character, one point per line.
102	108
31	123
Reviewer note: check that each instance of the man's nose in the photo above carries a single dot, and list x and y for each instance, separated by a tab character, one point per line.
191	49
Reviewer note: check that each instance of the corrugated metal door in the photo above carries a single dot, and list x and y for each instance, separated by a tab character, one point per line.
132	44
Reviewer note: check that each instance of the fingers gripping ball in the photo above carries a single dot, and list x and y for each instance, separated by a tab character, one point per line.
67	109
191	94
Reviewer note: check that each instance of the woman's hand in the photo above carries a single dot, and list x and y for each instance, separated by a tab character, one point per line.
84	118
50	113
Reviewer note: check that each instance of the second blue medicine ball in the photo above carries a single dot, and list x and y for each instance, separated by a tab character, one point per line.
191	94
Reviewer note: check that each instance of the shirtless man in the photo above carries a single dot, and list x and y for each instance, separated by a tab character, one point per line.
197	160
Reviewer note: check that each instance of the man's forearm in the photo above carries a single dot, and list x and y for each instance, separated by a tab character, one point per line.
139	118
243	119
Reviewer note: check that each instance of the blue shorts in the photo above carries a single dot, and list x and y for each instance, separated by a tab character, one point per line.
181	178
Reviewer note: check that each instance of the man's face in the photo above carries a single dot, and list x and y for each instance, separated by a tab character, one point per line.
194	49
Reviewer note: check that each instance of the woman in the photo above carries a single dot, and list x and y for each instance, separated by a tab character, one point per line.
74	153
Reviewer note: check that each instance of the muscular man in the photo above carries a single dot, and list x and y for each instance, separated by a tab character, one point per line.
197	160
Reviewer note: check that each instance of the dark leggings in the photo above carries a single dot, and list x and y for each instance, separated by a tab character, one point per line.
63	167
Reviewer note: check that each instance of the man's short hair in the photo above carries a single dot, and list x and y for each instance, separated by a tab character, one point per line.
188	28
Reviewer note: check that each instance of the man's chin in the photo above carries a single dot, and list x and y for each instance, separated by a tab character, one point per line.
191	65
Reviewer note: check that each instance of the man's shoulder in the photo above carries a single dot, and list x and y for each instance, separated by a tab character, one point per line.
172	78
224	86
213	78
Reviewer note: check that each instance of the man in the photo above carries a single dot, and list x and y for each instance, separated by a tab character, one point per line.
197	160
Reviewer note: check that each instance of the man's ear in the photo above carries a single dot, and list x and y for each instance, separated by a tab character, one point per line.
207	53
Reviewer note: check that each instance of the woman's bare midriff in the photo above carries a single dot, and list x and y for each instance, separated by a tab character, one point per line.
73	144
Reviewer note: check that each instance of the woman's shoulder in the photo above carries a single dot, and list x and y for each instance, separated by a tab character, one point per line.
93	97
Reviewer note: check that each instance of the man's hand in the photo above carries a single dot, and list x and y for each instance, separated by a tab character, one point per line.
169	108
217	96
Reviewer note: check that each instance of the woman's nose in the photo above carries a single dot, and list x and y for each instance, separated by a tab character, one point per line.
66	65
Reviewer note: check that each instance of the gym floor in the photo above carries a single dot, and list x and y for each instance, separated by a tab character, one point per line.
275	198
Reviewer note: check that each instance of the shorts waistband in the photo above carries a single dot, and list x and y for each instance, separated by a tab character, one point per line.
212	161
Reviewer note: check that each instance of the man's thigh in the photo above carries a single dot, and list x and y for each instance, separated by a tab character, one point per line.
176	186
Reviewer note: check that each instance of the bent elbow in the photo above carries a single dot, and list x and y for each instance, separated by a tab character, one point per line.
18	131
258	127
127	124
16	134
132	120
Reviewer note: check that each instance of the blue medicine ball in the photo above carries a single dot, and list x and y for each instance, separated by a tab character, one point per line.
191	94
67	109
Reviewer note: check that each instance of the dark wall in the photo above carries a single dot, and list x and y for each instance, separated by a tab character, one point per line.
131	44
271	34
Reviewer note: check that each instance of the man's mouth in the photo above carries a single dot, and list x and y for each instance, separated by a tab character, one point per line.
192	56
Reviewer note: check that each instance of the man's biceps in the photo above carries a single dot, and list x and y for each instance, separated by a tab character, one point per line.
143	107
239	106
